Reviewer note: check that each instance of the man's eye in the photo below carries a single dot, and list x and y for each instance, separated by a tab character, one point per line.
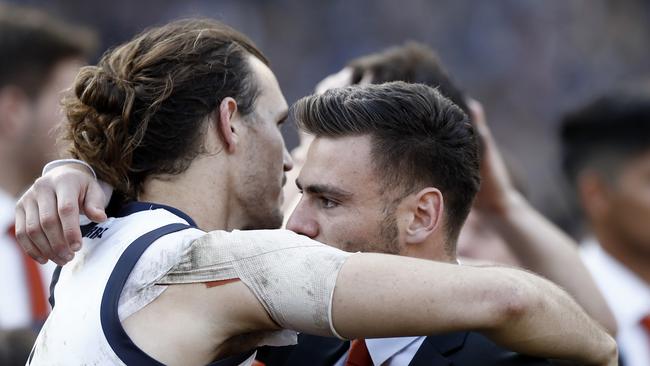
327	203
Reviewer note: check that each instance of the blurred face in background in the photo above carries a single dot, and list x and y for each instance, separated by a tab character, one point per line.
46	113
623	206
30	121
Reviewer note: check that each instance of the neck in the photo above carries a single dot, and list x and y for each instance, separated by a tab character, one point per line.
202	192
636	260
434	249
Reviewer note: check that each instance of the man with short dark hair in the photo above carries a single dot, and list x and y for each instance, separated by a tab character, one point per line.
502	226
39	58
389	173
606	147
322	216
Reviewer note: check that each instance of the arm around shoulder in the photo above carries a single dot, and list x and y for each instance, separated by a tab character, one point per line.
380	295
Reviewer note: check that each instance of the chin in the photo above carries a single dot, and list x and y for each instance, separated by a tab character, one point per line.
272	220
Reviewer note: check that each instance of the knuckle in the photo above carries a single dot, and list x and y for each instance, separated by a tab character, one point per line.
49	220
66	208
33	228
39	184
21	237
30	252
20	204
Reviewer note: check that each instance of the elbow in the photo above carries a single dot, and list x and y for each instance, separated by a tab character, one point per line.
515	301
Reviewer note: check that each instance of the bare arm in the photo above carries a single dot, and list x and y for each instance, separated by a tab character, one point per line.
378	295
538	244
514	308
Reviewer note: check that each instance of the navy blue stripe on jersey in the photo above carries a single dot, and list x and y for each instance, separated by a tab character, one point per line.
133	207
115	334
55	280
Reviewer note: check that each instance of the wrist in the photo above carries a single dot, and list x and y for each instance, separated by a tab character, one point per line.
503	205
73	163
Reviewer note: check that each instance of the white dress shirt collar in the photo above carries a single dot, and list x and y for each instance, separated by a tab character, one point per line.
383	349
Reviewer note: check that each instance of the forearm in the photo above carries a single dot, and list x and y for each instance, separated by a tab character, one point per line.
550	320
422	297
544	249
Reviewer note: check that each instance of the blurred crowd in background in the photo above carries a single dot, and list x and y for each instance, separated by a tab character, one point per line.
528	62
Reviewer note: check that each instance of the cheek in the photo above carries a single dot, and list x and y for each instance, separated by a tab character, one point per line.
631	212
337	231
358	233
634	199
274	151
48	109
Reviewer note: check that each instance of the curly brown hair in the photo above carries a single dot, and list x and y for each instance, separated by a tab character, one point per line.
141	110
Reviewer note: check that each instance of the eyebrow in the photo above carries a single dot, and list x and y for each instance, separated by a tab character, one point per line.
324	189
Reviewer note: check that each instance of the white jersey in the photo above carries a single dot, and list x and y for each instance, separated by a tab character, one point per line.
101	286
127	262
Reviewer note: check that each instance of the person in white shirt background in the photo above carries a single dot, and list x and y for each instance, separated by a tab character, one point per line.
606	148
40	58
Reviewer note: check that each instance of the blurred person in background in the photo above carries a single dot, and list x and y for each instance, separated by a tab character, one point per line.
606	149
39	58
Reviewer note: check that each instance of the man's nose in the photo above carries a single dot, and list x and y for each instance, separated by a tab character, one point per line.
300	223
287	161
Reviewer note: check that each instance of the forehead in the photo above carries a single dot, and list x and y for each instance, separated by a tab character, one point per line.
270	102
341	162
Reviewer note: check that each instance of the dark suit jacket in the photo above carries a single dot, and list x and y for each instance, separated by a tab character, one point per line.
460	348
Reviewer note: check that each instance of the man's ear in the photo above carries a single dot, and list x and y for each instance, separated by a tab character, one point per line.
593	192
13	110
227	123
426	212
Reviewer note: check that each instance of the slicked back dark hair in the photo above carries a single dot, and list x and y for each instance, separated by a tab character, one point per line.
419	139
32	43
411	62
607	131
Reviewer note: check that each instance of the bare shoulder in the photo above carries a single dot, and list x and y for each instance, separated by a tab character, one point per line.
206	321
